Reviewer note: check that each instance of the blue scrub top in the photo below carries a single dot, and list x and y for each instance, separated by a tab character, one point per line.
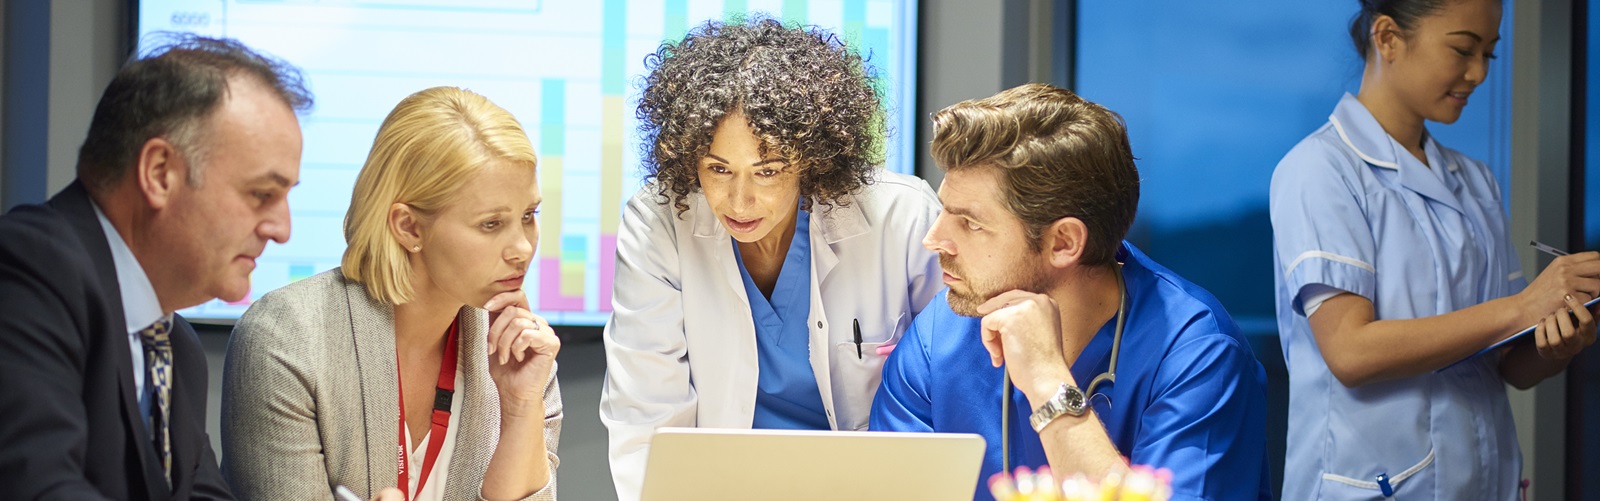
1189	394
1353	210
786	389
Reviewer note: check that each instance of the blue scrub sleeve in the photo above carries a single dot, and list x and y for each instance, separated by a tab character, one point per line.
1208	409
1319	226
902	402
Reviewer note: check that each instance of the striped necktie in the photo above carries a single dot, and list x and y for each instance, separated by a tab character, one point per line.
158	361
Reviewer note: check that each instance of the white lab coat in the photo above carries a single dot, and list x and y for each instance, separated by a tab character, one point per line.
681	344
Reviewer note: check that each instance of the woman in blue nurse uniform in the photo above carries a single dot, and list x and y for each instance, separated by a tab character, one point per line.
1393	262
768	258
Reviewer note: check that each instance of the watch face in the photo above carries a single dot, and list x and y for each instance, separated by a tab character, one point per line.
1075	401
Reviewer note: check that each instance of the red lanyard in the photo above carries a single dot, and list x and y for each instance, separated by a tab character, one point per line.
441	415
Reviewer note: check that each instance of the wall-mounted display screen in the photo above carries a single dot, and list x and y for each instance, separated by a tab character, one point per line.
567	70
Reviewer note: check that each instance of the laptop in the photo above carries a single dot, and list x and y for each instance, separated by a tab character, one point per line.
778	465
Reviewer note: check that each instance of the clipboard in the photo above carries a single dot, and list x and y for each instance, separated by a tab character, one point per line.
1526	334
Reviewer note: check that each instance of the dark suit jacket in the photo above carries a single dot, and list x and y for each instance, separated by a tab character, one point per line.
69	419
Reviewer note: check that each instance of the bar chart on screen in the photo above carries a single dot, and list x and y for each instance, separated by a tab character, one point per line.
569	71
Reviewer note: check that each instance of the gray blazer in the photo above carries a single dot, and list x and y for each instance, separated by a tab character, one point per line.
309	397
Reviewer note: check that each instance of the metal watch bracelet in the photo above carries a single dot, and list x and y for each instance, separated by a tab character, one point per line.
1069	400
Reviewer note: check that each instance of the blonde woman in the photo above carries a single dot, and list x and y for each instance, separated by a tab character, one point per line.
416	365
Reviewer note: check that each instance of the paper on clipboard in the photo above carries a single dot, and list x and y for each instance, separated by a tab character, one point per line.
1525	334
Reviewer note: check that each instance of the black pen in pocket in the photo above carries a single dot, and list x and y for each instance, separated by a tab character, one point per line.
856	324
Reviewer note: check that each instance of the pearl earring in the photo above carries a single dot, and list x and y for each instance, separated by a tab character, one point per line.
416	248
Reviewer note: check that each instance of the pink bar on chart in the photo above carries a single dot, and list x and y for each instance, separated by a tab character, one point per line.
608	267
550	298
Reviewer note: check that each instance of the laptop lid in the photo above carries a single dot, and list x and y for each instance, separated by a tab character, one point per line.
711	464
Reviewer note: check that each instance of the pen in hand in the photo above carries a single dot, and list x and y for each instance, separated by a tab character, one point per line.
1547	249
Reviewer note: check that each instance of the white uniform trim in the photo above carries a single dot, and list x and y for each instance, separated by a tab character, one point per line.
1288	270
1394	481
1452	166
1346	138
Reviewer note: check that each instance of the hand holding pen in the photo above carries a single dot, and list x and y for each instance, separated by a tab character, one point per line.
1576	275
1561	289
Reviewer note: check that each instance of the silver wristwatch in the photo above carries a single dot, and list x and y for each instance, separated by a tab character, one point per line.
1068	400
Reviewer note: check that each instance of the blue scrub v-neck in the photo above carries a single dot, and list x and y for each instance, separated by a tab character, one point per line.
786	388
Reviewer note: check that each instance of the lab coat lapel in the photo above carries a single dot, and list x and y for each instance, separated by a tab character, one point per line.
823	260
830	224
708	232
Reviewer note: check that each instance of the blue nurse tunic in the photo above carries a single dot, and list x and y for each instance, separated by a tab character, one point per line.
1354	211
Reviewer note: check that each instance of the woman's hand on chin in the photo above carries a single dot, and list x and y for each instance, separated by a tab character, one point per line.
522	351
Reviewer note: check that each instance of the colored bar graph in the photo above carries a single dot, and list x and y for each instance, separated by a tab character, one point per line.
613	116
608	257
675	21
855	19
794	12
554	275
567	70
300	271
875	50
574	250
734	10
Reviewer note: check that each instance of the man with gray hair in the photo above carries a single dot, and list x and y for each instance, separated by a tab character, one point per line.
181	182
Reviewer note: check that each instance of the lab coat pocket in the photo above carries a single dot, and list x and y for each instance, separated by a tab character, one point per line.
1417	479
857	372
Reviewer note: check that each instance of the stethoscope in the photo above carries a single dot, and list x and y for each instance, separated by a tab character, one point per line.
1109	376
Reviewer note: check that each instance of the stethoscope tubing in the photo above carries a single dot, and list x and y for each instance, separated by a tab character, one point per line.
1110	376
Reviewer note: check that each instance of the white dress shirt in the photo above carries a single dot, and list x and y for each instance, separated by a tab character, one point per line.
140	307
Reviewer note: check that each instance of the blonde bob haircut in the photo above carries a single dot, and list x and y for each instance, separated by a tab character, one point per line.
426	149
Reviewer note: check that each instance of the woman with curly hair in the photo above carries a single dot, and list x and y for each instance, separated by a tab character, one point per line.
769	264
